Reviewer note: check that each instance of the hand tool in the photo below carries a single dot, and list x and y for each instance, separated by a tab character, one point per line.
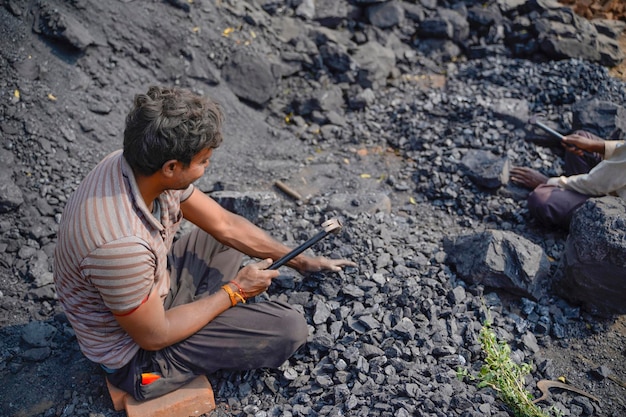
544	386
533	121
329	226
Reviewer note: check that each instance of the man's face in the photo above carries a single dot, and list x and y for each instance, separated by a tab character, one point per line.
195	170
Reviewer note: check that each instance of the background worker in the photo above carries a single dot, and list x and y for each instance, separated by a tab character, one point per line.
593	167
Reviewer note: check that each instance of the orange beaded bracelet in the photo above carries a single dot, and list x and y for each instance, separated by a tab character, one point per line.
234	297
241	291
231	295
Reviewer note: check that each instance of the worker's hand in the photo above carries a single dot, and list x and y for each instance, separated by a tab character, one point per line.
577	144
527	177
255	278
321	263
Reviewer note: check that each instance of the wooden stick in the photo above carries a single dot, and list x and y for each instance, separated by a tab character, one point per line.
288	190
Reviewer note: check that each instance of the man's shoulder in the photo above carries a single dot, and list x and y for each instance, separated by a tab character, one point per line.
101	209
125	250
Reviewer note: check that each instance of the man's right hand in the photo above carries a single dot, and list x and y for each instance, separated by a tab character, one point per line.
527	177
255	278
578	144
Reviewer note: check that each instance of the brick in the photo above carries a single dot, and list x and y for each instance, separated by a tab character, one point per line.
117	396
194	399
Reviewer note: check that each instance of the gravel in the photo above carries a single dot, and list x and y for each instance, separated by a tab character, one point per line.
386	338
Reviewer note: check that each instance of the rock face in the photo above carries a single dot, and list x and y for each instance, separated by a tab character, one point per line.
594	261
486	169
367	109
250	77
500	259
606	119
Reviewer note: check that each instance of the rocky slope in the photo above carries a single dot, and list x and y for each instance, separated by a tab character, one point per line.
366	110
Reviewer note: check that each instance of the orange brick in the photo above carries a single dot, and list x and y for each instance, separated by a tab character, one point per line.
194	399
117	396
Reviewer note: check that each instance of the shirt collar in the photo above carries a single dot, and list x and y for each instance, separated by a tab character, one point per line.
138	202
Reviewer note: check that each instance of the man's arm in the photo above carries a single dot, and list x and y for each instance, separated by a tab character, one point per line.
237	232
605	178
577	144
153	328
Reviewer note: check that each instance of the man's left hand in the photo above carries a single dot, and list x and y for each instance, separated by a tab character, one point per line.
527	177
321	263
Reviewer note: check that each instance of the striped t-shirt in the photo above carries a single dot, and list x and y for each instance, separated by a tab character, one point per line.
111	253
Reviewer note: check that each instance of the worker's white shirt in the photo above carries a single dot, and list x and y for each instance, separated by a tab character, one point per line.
606	178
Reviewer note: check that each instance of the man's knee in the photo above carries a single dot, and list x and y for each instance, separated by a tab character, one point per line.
552	206
537	199
540	208
295	329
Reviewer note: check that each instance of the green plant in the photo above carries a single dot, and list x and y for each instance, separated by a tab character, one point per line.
504	376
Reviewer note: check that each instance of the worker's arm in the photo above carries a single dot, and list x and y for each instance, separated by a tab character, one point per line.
239	233
153	328
606	178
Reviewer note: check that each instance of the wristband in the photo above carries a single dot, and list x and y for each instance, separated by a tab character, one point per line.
241	291
231	295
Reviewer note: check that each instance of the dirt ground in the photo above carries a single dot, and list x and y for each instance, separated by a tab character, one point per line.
598	9
590	347
602	349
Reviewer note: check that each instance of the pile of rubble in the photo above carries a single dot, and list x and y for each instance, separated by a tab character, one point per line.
373	111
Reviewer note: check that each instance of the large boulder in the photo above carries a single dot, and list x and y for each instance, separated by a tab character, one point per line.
486	169
246	204
594	260
54	22
375	63
249	75
604	118
500	259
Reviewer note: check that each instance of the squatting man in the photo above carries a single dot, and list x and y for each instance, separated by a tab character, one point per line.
141	301
594	167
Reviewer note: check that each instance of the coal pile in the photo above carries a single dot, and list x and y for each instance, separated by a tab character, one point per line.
372	112
389	337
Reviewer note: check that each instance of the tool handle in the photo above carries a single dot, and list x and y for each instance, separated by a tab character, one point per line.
558	136
297	251
550	130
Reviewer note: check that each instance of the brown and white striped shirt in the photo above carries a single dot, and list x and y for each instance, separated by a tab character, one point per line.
111	253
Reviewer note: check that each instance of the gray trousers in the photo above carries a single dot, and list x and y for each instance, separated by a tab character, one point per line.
247	336
553	206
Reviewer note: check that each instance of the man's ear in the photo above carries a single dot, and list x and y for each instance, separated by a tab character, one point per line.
169	167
